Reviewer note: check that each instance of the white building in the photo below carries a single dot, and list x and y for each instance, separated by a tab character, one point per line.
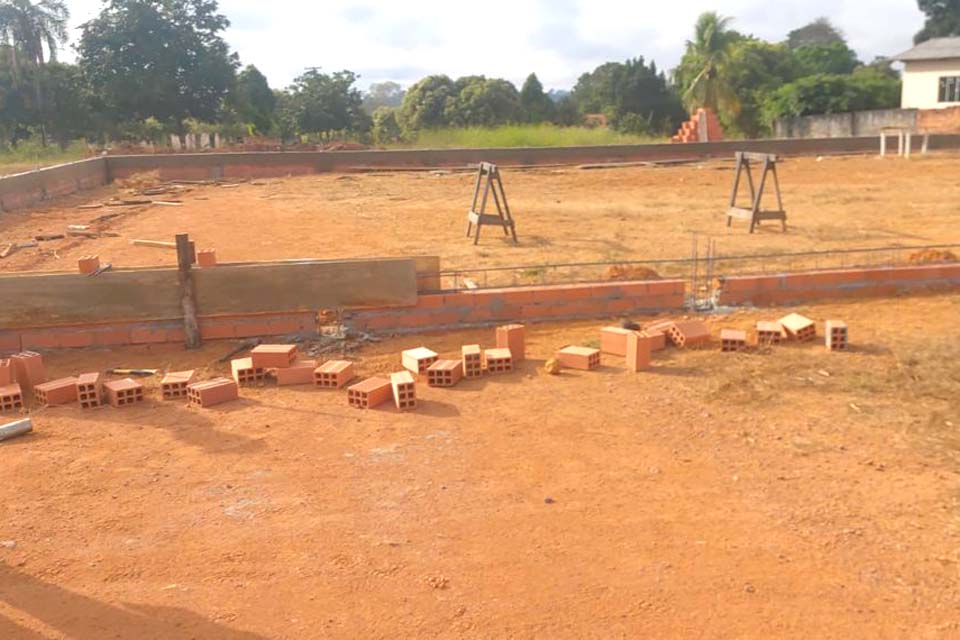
931	79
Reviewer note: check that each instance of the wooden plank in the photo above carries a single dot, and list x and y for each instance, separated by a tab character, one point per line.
159	244
44	299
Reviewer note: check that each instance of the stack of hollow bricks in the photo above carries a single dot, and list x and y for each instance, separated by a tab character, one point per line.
11	396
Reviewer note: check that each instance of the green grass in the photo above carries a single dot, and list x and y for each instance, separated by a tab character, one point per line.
523	135
30	154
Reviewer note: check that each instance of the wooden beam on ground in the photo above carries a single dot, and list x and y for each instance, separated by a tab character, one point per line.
186	256
159	244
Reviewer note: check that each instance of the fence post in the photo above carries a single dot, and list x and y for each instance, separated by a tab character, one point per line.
186	256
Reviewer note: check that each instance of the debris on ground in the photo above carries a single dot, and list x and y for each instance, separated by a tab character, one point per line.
630	272
551	367
132	372
930	256
17	428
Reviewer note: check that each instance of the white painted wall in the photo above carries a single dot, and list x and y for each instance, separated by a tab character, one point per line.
921	83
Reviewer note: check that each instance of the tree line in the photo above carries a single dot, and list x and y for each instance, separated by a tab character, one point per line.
149	68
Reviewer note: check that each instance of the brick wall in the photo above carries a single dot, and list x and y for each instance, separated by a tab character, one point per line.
524	304
795	288
498	306
939	120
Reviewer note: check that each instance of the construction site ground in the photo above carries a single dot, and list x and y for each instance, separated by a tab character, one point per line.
784	493
563	215
788	493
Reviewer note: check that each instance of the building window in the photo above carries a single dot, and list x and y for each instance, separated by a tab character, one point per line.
950	89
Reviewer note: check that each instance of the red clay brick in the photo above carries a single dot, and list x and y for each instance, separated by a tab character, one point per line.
472	358
613	340
11	398
56	392
273	356
245	373
512	336
206	257
89	390
639	351
174	384
733	340
210	393
689	333
88	264
300	372
445	373
799	327
123	393
333	374
6	372
769	333
370	393
658	339
28	370
582	358
418	360
498	360
404	389
836	339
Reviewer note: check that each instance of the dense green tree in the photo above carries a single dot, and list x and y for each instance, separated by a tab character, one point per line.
425	102
253	100
328	104
386	126
705	69
158	58
864	89
483	102
943	19
65	113
16	112
537	105
818	32
634	97
756	68
28	27
383	94
835	58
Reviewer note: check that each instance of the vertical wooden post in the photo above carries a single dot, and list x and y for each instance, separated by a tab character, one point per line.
186	256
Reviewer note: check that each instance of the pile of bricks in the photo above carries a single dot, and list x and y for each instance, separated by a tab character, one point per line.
692	130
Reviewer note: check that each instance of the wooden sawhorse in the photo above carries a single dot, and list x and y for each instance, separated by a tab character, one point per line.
754	213
489	177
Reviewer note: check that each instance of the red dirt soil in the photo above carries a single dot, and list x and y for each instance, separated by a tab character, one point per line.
790	493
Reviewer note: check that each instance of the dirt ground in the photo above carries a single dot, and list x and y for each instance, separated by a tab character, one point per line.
790	493
563	215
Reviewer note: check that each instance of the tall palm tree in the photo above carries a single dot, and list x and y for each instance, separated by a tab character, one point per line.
706	64
27	28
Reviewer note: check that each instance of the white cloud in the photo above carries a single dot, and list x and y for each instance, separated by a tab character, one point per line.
558	39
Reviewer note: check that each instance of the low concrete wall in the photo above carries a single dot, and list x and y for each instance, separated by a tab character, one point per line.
845	125
28	189
215	166
23	190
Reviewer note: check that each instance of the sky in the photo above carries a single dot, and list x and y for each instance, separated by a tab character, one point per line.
404	41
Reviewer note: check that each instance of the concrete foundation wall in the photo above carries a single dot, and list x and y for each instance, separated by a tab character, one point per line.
263	164
845	125
455	310
29	189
